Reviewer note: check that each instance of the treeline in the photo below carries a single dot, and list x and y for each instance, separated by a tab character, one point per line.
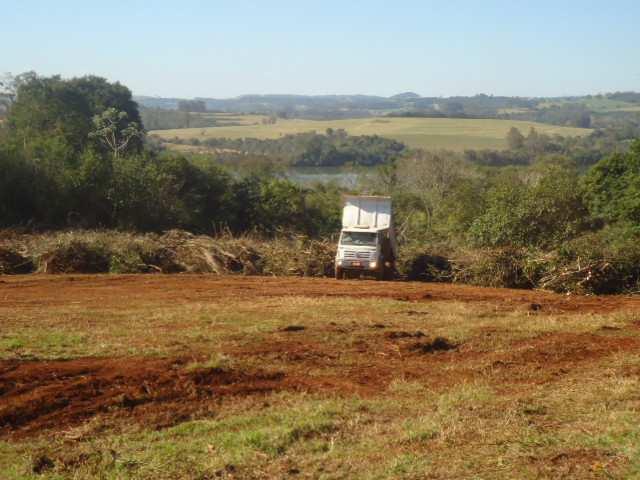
72	154
442	196
149	192
334	148
192	106
565	114
631	97
569	114
584	151
161	119
547	224
478	106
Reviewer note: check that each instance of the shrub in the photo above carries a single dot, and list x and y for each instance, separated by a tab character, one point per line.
499	267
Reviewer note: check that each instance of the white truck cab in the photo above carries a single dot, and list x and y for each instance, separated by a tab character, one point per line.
367	241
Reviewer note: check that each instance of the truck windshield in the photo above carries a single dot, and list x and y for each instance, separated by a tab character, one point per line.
359	238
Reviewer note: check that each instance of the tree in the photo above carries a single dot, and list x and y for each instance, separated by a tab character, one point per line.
541	211
114	132
612	186
18	189
48	107
515	139
431	177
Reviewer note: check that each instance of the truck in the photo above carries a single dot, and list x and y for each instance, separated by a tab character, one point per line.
367	243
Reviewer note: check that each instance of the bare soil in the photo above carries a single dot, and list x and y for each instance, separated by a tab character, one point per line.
39	396
113	290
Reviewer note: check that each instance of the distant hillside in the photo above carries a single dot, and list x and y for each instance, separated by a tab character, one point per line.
585	111
345	106
405	96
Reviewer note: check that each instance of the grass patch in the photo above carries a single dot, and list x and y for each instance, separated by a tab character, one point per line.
48	344
215	361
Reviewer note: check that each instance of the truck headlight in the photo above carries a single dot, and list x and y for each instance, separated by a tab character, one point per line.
373	264
339	262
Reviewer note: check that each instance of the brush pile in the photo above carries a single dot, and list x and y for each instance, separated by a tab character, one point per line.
175	251
13	263
584	266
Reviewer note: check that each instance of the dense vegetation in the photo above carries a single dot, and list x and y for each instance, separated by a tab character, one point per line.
335	148
59	171
73	154
526	149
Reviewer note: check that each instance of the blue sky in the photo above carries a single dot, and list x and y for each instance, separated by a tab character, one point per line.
226	48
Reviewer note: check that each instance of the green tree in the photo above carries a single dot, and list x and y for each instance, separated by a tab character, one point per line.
515	139
47	107
541	211
612	186
281	206
17	193
114	131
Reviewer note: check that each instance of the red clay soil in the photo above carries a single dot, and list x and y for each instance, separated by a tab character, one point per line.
113	291
41	395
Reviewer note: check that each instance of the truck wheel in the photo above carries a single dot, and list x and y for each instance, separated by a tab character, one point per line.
388	272
379	274
339	274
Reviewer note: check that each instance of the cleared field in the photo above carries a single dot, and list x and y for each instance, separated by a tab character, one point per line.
428	133
199	377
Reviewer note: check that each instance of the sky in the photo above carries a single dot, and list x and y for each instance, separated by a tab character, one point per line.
224	49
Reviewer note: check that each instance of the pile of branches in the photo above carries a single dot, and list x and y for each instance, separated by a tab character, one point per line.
13	263
497	267
185	252
595	276
175	251
524	268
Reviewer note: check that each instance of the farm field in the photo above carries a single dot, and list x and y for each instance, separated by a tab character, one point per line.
202	377
428	133
601	105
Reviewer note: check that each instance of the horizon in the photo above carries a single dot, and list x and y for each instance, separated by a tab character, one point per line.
226	50
373	95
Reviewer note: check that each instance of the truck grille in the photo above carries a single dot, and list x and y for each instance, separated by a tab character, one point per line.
351	255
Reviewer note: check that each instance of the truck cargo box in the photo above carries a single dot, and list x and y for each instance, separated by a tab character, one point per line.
372	213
